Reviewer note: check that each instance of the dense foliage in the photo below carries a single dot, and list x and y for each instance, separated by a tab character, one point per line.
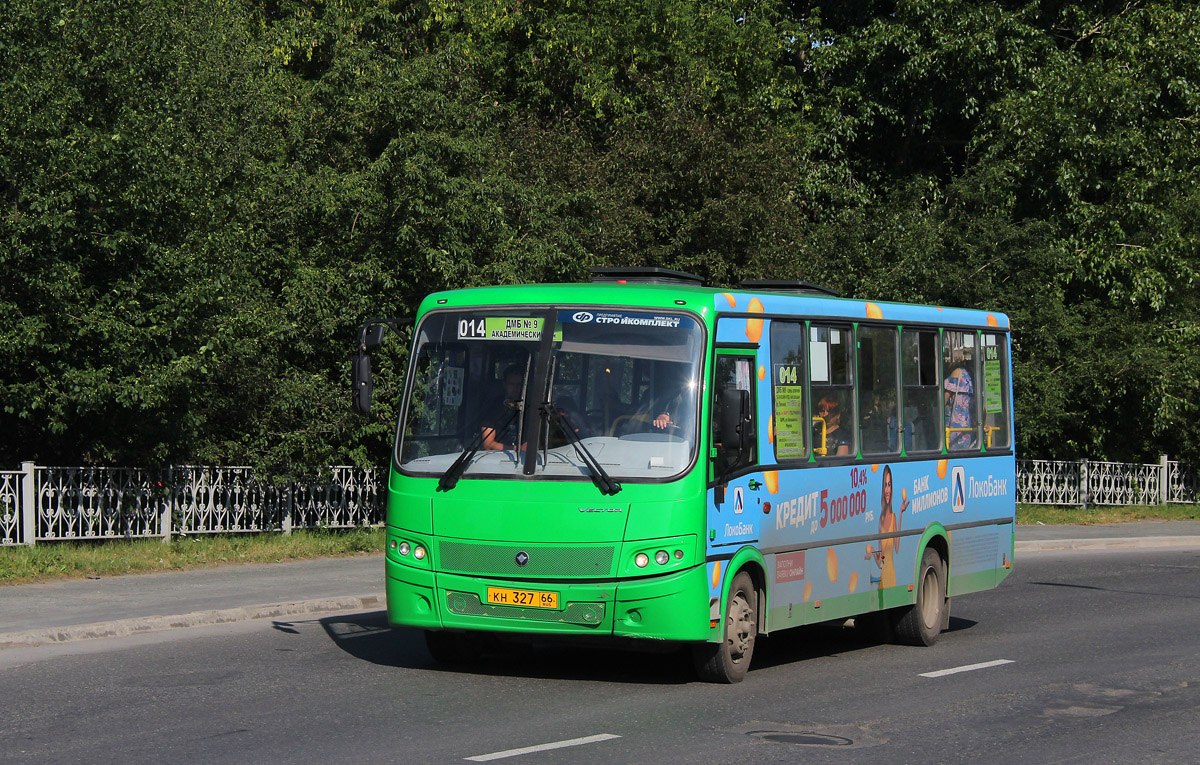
201	201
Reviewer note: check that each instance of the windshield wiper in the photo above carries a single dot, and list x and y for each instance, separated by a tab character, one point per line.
455	471
601	478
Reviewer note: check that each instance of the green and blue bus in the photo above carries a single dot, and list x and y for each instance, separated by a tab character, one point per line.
645	457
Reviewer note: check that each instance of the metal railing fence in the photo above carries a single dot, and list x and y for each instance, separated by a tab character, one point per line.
1091	482
43	504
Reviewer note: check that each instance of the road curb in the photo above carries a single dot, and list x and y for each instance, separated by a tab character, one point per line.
146	624
1108	543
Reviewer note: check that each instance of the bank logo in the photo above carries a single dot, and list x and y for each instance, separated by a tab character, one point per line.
958	489
739	500
582	317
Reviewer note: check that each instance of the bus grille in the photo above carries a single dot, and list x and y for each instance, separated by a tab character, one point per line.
468	604
544	562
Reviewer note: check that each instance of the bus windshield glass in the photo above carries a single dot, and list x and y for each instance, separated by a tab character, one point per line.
620	387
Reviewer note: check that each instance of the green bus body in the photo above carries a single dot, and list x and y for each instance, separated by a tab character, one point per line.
557	551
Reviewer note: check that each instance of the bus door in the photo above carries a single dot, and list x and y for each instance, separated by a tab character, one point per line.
737	489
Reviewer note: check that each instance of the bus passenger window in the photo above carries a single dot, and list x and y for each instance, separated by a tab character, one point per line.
830	366
878	381
787	391
996	433
960	392
922	391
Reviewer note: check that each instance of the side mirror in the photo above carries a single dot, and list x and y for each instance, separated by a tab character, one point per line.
735	412
371	336
363	386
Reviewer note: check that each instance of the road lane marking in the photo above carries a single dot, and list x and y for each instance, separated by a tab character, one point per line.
967	668
542	747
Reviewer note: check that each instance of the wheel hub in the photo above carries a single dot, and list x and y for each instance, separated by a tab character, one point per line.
741	628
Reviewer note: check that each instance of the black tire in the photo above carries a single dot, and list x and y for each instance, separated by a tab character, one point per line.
729	660
921	623
449	647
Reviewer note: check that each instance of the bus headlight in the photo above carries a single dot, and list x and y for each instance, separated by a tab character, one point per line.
661	557
642	560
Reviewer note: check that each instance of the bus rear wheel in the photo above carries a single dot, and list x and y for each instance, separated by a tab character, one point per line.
729	660
921	623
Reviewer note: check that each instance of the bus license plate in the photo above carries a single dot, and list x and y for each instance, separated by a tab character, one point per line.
503	596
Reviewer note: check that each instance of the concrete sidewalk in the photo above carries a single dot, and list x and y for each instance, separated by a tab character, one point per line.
77	609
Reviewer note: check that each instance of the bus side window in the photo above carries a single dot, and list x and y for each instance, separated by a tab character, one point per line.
734	373
878	381
789	407
996	433
960	390
922	404
830	371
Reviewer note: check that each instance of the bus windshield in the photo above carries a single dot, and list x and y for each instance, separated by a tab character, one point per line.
623	382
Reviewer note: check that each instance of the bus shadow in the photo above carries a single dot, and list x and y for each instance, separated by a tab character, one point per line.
824	640
368	637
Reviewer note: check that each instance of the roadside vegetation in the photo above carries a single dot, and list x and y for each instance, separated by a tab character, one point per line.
202	201
75	560
1059	514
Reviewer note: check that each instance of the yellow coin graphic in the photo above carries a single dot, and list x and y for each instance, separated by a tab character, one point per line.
874	311
807	591
731	299
772	479
716	574
754	327
831	564
942	465
853	581
771	429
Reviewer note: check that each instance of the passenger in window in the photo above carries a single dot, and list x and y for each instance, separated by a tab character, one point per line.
881	426
501	423
873	427
958	390
671	412
837	439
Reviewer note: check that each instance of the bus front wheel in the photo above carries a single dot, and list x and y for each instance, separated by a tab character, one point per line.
920	623
729	660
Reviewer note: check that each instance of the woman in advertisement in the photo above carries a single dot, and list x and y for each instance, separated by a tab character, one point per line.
889	523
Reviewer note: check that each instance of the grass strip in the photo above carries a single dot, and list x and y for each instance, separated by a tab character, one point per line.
1072	515
75	560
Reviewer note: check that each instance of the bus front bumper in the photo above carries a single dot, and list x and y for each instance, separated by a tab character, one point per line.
671	607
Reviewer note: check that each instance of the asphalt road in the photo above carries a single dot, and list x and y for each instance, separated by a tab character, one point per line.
1102	652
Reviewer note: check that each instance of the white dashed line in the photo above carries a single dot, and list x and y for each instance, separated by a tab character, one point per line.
541	747
967	668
